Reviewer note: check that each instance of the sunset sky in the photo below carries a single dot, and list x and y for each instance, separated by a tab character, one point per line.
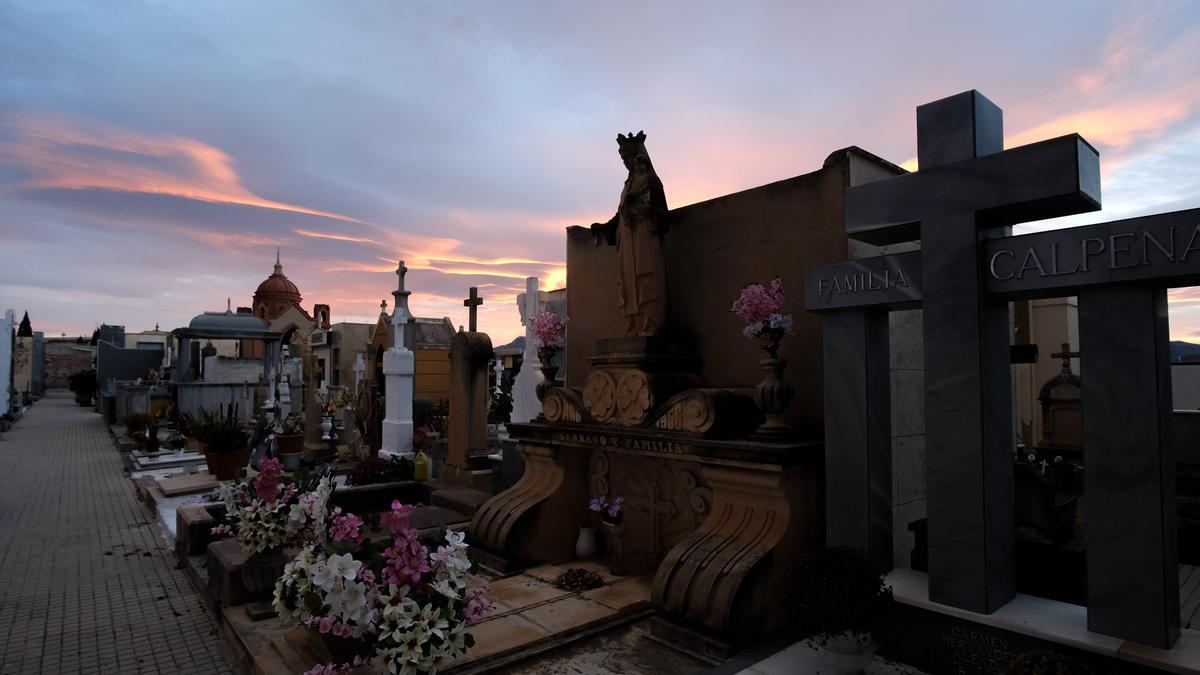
153	155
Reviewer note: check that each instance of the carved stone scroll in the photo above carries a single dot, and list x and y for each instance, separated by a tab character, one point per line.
724	573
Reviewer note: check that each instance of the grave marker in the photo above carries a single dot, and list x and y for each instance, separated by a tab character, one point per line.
971	269
472	303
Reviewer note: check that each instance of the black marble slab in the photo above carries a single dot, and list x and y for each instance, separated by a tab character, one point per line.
1132	554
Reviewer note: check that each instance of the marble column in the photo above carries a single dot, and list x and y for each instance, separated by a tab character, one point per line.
399	368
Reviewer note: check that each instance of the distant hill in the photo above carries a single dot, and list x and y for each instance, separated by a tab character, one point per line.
1184	351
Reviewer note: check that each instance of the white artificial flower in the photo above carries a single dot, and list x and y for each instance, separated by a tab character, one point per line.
344	566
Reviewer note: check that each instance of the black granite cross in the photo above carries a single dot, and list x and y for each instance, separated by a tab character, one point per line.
969	189
473	302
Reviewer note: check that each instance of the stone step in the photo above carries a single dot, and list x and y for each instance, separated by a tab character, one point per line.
461	499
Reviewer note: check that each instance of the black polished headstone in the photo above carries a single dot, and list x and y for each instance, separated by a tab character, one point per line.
974	196
858	450
1132	559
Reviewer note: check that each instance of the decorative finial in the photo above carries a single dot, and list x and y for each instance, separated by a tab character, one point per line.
278	265
383	306
228	307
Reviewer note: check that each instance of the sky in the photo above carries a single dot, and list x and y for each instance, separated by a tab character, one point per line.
153	155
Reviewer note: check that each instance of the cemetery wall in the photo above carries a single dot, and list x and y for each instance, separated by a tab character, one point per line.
64	358
713	249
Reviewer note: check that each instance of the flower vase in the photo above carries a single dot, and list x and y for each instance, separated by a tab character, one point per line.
326	425
261	570
585	545
773	396
616	549
549	371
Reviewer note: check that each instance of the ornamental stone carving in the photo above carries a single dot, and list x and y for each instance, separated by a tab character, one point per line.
600	395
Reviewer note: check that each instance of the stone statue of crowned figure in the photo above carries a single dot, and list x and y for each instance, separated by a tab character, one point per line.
637	231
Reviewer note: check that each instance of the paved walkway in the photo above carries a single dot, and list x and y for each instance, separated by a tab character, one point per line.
87	584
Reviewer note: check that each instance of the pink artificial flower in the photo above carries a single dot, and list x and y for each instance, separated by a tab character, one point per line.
322	669
548	329
345	528
397	519
325	624
220	530
341	630
756	303
598	504
477	604
266	484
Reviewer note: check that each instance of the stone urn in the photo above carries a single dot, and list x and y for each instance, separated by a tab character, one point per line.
616	548
261	571
773	396
549	372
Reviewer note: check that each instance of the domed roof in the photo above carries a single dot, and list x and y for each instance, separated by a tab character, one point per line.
227	321
277	286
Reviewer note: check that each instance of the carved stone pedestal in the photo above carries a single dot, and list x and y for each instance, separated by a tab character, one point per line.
716	521
633	376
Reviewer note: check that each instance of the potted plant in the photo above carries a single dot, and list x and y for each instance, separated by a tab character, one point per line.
289	439
836	598
760	307
221	439
83	385
611	515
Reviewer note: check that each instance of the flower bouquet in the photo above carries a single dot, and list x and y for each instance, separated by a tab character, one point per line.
759	305
550	332
611	515
266	514
396	605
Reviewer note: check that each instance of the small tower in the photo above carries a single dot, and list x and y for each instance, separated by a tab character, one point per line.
399	368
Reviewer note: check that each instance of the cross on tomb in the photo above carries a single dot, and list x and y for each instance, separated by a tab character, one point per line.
1043	464
472	302
1119	270
1066	355
970	189
657	509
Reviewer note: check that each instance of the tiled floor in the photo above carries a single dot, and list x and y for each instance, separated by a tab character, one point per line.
87	584
530	609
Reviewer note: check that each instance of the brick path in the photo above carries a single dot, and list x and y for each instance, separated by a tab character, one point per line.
87	585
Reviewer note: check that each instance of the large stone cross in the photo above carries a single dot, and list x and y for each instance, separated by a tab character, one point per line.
969	189
473	302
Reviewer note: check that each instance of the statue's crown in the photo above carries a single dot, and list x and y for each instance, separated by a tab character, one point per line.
631	141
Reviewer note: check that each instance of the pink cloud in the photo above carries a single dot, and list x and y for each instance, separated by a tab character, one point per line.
57	151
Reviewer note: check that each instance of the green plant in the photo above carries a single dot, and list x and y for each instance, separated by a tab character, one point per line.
578	579
292	424
219	431
136	423
83	384
833	590
1045	662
